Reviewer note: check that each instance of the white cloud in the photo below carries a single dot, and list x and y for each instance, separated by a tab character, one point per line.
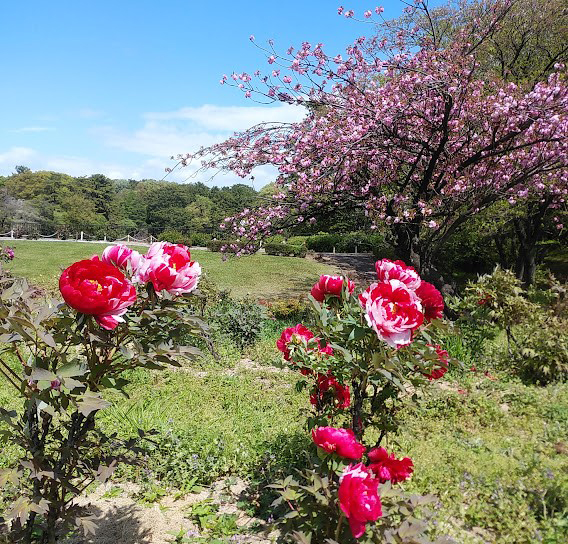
33	129
88	113
15	155
187	129
146	150
232	118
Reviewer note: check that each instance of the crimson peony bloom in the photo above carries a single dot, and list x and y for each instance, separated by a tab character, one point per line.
327	350
340	441
330	285
387	467
122	256
359	497
95	288
443	358
432	301
340	393
169	267
393	311
293	335
397	270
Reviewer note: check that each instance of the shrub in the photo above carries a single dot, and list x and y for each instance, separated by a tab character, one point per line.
216	245
285	250
323	242
297	240
494	302
358	364
540	350
200	239
292	309
174	237
239	320
59	358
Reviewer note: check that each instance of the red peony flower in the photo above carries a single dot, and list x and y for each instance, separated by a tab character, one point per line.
340	394
340	441
293	335
432	301
122	257
95	288
359	498
327	350
443	358
397	270
393	311
169	267
330	285
387	467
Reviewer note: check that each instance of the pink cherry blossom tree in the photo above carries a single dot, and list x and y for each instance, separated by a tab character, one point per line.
401	127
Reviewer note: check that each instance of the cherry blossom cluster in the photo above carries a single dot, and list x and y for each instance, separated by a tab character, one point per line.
413	137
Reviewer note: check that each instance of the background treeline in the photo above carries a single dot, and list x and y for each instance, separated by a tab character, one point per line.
43	203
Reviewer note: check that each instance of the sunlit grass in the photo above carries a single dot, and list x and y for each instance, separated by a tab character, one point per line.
257	275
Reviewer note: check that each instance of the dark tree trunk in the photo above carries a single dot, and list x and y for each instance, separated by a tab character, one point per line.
529	230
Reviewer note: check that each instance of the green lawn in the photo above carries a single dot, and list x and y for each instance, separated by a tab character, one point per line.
256	275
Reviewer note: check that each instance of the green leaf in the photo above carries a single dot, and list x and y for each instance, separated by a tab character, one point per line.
71	370
91	402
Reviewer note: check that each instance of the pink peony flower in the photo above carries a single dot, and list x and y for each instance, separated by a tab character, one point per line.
397	270
293	335
387	467
340	441
95	288
432	301
169	267
330	285
359	497
122	257
340	394
393	311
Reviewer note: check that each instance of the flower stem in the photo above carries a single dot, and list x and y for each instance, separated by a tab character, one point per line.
339	524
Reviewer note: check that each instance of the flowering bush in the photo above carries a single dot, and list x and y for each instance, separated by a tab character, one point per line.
6	254
60	358
363	355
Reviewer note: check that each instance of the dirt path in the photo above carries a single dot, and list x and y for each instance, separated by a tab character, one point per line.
359	267
122	519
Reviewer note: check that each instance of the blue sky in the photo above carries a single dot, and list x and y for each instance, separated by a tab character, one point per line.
117	87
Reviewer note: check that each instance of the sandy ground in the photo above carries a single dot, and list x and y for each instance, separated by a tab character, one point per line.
124	520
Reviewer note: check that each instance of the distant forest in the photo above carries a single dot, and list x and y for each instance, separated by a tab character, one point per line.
42	203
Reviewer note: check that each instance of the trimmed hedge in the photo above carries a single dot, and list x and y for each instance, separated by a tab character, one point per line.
216	245
347	243
285	250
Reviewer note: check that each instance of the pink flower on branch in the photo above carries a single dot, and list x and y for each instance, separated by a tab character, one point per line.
99	289
435	141
169	268
386	467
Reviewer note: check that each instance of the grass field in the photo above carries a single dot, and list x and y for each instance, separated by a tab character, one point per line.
258	275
